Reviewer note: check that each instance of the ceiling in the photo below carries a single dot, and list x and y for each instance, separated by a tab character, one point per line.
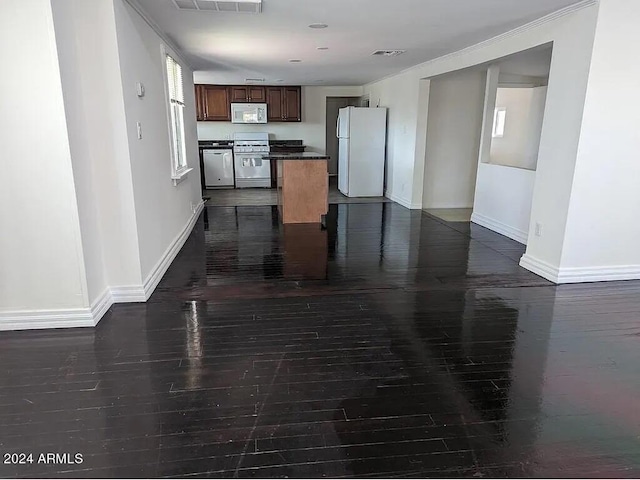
228	48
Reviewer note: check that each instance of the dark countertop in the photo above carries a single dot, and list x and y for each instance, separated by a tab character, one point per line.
216	144
296	156
286	143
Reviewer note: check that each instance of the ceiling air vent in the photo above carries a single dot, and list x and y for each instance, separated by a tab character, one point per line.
253	80
236	6
388	53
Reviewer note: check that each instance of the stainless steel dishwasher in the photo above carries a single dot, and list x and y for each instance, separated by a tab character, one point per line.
218	168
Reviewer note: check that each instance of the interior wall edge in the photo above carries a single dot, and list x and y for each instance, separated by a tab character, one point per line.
89	317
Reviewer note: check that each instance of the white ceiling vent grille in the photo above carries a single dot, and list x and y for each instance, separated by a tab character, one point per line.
236	6
388	53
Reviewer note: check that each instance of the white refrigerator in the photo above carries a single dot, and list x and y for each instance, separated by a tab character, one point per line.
362	133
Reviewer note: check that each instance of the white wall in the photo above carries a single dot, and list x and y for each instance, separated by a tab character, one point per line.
519	145
571	31
503	200
41	257
456	104
602	227
111	220
312	129
401	95
86	39
162	210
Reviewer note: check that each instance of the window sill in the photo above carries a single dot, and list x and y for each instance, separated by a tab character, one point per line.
180	175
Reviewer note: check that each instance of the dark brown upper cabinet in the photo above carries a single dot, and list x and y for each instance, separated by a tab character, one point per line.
284	104
275	96
248	94
213	102
292	104
199	103
216	104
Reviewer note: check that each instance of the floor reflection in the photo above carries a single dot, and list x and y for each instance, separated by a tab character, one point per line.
389	343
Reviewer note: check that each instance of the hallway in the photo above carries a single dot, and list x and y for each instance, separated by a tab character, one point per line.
393	343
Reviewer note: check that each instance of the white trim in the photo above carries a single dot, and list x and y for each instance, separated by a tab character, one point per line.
563	12
38	319
101	305
402	201
579	274
170	254
180	175
539	267
89	317
128	294
502	228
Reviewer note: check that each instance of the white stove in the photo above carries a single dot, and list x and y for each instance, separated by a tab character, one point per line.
251	169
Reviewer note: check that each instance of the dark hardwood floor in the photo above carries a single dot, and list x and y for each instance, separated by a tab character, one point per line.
390	344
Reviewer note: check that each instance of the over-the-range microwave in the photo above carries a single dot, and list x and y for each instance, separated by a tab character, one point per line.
248	113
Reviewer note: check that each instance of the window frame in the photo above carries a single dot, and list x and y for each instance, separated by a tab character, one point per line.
496	132
175	120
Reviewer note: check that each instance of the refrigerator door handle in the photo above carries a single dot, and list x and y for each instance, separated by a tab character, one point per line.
338	127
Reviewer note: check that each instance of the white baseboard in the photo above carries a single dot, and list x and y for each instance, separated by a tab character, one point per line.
539	267
101	306
38	319
503	229
402	201
158	271
128	294
89	317
579	274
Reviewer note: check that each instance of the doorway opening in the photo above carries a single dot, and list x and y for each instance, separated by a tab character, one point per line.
484	126
513	118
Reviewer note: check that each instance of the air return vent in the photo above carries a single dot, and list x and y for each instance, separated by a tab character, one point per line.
388	53
237	6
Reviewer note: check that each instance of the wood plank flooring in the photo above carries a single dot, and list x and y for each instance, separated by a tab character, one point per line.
396	344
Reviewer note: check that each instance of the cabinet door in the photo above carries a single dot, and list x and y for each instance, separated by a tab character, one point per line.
292	104
216	103
239	95
274	104
257	94
199	104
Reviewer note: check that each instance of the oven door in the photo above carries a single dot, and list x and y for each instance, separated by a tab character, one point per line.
252	170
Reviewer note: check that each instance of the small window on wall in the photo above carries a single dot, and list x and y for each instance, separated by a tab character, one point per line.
499	120
179	167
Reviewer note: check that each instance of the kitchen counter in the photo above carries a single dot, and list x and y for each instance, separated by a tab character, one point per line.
303	186
297	156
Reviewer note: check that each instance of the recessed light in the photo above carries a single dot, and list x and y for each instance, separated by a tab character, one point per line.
323	48
318	25
295	61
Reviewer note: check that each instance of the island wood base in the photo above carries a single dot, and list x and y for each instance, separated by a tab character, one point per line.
303	190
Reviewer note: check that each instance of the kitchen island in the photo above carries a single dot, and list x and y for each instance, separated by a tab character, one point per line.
303	186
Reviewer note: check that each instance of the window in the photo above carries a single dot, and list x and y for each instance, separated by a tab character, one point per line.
179	166
499	120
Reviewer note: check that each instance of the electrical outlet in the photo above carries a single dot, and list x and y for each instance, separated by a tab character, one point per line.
538	229
139	127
